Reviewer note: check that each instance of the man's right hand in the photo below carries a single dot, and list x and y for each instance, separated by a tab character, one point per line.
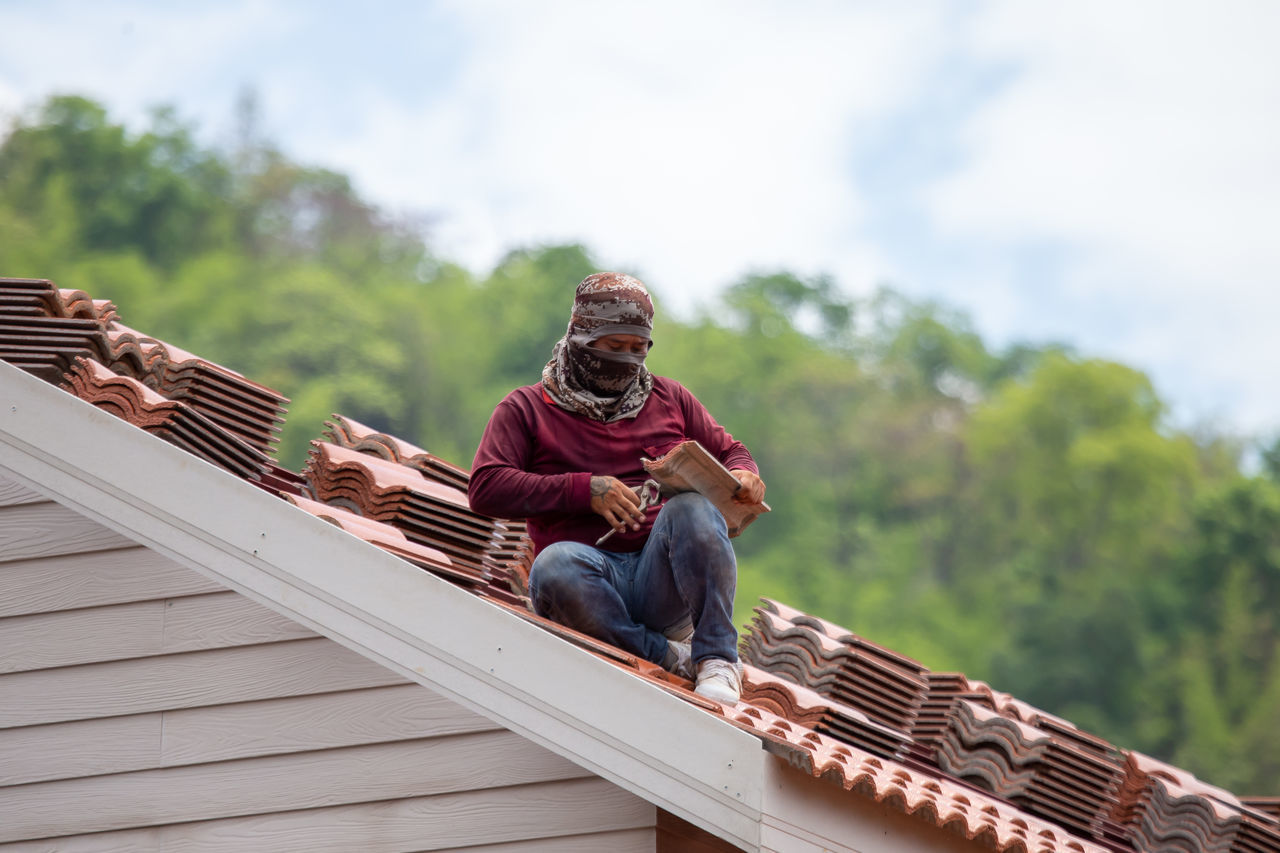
618	504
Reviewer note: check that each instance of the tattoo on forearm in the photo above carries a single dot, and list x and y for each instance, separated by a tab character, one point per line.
599	486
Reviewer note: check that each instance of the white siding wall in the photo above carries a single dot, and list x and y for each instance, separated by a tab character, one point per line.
143	707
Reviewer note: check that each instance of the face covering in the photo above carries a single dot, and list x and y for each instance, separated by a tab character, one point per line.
599	384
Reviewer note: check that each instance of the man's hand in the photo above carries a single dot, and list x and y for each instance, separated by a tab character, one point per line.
611	498
752	490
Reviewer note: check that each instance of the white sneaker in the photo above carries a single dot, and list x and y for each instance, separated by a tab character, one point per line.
720	679
679	659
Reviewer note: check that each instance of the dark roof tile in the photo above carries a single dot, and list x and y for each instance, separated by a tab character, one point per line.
173	421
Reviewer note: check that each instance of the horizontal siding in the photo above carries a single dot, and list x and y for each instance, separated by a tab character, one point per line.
12	494
224	732
302	723
138	629
46	640
574	816
82	748
144	707
625	841
48	530
187	680
277	783
94	579
224	619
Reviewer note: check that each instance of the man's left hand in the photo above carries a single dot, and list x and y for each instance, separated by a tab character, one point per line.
752	488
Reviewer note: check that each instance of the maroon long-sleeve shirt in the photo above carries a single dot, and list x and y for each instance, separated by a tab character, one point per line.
536	460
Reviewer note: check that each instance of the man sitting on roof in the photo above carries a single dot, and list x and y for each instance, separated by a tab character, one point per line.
565	454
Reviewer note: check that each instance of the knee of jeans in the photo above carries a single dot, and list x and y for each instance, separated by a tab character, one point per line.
695	510
556	568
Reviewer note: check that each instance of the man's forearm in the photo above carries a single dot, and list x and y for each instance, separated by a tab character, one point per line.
507	492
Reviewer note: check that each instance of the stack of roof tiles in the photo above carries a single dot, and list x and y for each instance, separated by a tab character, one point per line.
425	510
43	329
175	422
251	412
1049	769
1166	809
385	536
936	745
989	741
802	705
507	558
65	337
345	432
886	686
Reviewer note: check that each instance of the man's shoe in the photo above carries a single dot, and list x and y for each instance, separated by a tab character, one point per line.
679	659
720	679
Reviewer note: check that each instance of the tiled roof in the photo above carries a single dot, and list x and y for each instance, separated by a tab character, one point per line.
934	745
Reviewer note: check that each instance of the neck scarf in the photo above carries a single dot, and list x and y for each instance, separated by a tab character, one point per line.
598	384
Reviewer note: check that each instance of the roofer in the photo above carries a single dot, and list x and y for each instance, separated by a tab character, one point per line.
565	454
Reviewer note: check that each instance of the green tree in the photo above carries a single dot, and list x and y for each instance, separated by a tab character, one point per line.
157	192
1076	504
1224	632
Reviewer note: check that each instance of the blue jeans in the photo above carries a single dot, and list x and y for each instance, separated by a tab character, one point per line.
685	574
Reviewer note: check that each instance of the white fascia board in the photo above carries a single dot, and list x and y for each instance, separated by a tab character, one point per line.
619	726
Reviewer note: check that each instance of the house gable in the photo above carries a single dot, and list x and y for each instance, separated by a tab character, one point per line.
145	707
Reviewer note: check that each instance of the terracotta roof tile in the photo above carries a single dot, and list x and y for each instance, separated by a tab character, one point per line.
428	512
43	329
513	551
935	745
801	705
1049	775
354	435
245	408
389	539
173	421
962	810
1165	808
1269	806
888	688
39	335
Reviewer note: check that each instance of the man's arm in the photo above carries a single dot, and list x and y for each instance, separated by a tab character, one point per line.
501	484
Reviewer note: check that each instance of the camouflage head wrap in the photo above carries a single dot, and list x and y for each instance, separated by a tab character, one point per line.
602	385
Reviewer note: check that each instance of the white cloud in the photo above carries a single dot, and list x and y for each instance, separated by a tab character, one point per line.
1141	140
691	140
130	55
1115	187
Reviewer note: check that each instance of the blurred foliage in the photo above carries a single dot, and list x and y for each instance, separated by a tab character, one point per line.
1026	516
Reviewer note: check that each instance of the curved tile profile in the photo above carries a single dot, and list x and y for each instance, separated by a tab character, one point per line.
353	435
962	810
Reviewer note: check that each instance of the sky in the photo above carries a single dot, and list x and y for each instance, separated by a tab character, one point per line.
1100	174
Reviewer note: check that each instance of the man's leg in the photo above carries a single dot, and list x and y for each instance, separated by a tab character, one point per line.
579	586
688	572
